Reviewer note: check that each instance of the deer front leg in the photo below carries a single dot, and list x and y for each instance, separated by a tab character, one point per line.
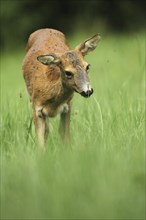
46	128
41	126
64	128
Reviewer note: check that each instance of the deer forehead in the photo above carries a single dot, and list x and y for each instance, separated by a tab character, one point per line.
72	59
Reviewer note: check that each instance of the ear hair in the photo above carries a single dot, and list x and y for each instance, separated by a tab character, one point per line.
89	44
48	59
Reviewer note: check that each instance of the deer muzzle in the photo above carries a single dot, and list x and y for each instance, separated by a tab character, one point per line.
82	83
87	93
87	90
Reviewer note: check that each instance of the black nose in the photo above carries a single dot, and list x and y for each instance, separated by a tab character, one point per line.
87	94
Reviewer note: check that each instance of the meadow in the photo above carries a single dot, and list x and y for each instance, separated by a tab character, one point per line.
101	173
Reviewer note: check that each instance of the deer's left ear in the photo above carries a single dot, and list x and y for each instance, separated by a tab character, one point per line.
89	44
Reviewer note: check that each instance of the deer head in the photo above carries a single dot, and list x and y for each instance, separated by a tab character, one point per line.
74	69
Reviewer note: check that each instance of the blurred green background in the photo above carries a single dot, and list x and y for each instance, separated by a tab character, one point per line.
20	18
101	174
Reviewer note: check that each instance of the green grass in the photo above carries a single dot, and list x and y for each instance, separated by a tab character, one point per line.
101	175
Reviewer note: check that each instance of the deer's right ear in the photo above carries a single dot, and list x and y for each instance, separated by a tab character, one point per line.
48	59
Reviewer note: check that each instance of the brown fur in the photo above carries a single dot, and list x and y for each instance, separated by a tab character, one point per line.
47	85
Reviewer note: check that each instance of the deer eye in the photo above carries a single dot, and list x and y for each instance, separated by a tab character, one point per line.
68	74
88	67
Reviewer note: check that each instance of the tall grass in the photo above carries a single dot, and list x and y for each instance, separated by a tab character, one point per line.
101	174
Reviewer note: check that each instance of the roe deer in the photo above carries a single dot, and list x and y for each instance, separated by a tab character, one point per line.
52	72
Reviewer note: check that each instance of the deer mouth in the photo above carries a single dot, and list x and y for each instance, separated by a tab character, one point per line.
87	94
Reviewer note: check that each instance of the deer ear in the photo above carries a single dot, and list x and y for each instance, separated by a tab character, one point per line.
48	59
88	45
